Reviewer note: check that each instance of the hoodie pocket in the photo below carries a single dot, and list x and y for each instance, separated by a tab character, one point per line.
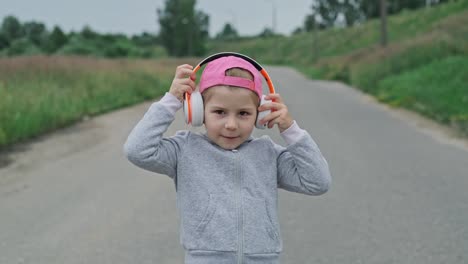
260	234
216	230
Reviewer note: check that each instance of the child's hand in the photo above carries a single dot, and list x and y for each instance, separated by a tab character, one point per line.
184	81
279	113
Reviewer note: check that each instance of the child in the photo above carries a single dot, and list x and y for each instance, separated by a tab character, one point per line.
227	181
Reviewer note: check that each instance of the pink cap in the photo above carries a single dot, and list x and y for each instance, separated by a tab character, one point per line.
215	74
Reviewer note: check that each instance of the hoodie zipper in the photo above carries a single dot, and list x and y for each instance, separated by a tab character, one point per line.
240	211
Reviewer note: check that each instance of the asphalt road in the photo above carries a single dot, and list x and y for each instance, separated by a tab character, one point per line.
399	191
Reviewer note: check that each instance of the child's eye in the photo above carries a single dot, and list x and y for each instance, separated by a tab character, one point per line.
244	113
218	112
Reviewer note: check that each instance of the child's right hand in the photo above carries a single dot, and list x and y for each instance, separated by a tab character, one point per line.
184	81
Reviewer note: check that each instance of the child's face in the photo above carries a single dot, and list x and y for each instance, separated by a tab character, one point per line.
230	115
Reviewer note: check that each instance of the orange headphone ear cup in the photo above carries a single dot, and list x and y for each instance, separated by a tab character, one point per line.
193	109
262	114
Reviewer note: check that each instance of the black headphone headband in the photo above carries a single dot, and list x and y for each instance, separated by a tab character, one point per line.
225	54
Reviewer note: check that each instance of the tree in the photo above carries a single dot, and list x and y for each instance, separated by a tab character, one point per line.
325	12
88	33
297	31
311	23
398	5
57	39
4	43
266	33
371	8
228	32
35	32
383	23
12	28
145	39
203	25
330	13
351	12
183	30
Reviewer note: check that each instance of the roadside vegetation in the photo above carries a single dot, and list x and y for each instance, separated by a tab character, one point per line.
42	93
50	79
430	44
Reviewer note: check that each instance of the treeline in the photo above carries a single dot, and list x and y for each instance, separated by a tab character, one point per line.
183	30
345	13
31	38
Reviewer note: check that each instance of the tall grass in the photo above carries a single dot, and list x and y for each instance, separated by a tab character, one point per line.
38	94
438	90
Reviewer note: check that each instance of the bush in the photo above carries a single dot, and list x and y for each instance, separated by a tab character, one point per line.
78	46
22	46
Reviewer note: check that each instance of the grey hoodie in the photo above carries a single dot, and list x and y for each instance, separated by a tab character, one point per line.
227	199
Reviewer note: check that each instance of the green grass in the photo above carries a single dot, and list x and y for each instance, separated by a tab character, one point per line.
367	72
39	94
438	90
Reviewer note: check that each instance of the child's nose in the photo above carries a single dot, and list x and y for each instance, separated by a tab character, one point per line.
231	123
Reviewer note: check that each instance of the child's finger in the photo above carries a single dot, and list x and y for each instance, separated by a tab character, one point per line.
188	89
189	82
184	67
183	89
183	72
270	117
281	121
274	97
187	66
272	106
271	124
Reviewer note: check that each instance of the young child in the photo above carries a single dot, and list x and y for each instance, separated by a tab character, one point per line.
227	181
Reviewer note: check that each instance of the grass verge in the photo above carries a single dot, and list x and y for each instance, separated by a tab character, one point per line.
40	94
438	90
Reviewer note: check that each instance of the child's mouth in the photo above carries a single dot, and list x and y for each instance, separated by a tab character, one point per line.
230	137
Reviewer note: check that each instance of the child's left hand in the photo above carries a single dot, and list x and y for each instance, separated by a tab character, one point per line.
279	113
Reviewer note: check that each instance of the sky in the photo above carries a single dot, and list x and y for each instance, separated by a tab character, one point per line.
131	17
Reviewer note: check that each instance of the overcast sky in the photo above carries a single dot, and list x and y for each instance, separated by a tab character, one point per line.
249	17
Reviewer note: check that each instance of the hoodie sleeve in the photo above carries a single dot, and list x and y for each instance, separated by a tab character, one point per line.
145	146
301	166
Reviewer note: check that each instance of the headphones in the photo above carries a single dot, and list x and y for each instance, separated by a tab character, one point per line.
193	103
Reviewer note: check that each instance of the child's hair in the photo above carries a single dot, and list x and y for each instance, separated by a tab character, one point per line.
238	72
235	72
